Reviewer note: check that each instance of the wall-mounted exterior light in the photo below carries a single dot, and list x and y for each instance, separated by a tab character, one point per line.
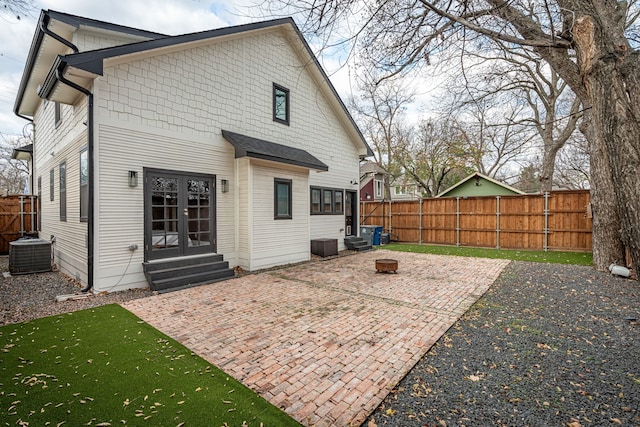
133	179
224	184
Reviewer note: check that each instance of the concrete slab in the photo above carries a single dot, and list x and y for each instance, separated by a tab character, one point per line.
324	340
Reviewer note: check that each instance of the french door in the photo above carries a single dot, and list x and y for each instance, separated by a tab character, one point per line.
179	214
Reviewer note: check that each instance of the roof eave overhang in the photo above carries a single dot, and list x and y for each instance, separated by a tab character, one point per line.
36	43
44	48
260	156
52	90
255	148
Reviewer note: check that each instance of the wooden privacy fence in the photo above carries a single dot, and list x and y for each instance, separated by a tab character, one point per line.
18	218
559	220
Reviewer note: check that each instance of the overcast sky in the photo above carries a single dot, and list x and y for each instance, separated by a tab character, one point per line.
163	16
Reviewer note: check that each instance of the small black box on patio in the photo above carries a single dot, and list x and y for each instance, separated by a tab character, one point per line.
324	247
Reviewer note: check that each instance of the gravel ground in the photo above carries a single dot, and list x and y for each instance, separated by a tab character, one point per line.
30	296
547	345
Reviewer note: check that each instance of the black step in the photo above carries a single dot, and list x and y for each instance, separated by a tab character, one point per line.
169	272
363	248
181	262
355	243
179	273
173	283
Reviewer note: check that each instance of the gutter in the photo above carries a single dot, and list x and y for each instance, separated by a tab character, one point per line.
44	28
43	25
90	155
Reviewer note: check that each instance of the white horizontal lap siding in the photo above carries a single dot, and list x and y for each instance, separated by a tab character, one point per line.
121	208
193	94
279	241
243	217
54	145
50	140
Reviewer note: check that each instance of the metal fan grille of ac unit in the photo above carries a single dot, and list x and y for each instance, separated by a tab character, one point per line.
29	256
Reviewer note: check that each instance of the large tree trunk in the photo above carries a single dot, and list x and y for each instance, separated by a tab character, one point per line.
611	75
606	239
548	167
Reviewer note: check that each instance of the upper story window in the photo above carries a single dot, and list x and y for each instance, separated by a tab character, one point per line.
401	190
57	114
280	104
378	188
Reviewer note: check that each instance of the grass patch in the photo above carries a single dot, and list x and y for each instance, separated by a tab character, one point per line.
576	258
104	366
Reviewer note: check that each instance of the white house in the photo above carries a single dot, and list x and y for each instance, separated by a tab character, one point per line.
152	153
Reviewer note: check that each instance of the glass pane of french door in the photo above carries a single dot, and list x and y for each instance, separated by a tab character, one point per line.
164	215
199	212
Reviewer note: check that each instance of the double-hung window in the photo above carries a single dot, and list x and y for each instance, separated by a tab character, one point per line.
52	187
57	114
378	188
327	201
316	206
282	198
63	191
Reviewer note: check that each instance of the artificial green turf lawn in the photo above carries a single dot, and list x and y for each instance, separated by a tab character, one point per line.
577	258
104	366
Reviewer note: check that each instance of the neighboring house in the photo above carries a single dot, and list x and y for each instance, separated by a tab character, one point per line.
152	148
403	188
478	184
372	180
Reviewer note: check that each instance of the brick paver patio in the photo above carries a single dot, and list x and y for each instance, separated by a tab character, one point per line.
324	340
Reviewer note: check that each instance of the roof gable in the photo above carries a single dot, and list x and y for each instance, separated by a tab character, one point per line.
53	37
497	188
81	68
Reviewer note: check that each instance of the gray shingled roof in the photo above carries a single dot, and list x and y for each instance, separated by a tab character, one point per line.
247	146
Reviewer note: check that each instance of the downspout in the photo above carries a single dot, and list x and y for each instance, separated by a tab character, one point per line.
90	204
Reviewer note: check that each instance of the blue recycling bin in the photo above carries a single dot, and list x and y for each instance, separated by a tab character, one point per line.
371	233
377	232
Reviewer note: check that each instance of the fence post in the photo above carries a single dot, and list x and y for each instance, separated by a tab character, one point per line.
420	219
497	222
458	221
390	217
21	216
546	221
33	220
